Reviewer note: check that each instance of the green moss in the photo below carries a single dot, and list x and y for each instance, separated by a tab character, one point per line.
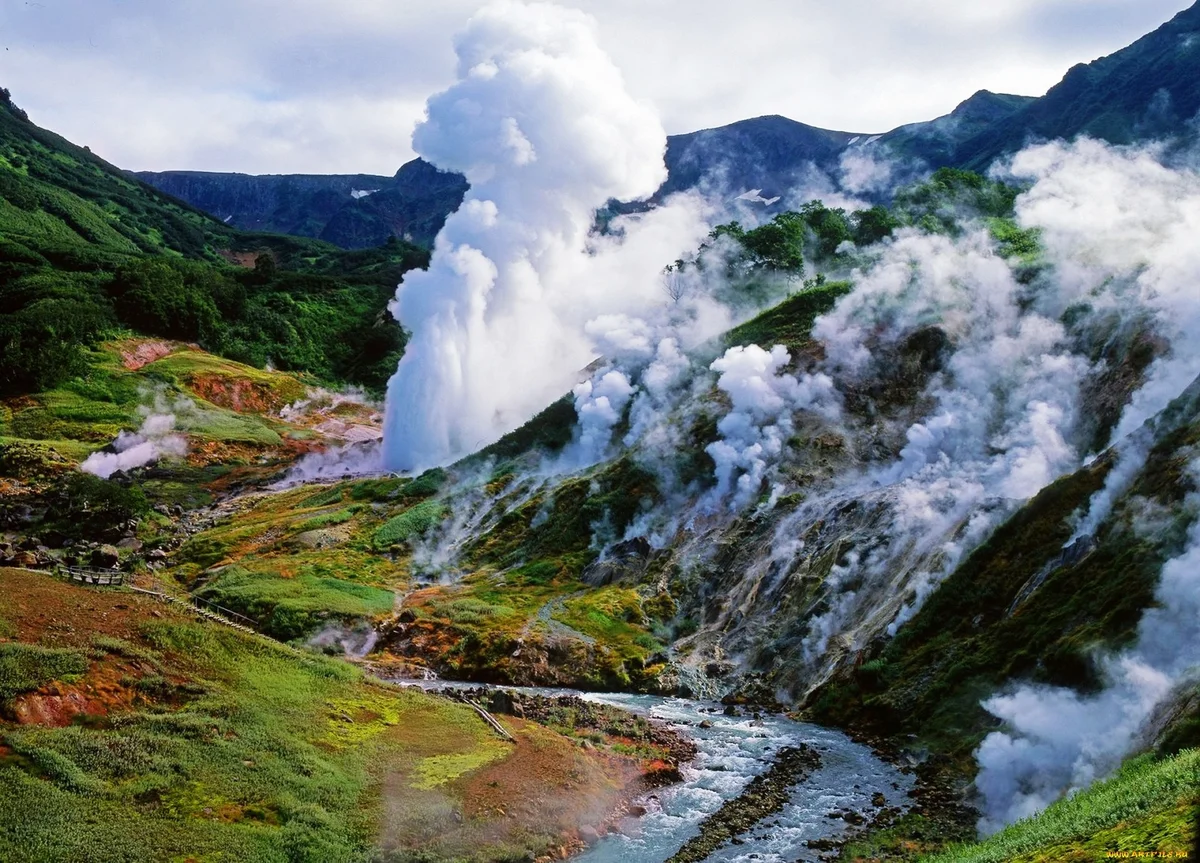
614	616
439	769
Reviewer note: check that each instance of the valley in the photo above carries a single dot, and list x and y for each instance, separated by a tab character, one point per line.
635	517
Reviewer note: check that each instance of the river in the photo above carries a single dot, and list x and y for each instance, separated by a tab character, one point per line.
730	753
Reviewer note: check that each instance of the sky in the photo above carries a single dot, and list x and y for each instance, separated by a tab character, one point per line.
335	86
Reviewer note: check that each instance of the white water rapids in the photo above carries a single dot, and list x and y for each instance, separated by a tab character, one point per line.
730	753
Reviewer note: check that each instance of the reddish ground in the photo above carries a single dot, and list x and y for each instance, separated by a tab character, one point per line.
44	609
135	354
550	780
40	608
237	394
240	259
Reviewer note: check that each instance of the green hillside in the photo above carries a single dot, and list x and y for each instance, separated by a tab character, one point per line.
86	253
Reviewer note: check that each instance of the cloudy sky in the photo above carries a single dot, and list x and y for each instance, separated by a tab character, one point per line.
322	86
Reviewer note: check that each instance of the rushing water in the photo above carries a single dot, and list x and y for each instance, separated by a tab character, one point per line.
730	753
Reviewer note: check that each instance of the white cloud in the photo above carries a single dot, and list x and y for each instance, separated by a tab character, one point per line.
319	86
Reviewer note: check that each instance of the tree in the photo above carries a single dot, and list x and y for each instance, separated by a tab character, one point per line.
154	297
778	245
673	282
828	225
871	226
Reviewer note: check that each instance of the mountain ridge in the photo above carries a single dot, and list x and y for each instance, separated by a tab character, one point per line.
1149	89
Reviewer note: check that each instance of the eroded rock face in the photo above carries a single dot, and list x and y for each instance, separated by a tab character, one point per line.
625	562
55	711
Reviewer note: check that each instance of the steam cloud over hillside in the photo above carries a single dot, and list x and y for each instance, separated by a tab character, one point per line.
540	123
522	294
1120	229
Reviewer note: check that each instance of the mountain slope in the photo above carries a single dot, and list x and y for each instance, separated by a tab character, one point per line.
1149	89
88	252
61	198
936	142
354	211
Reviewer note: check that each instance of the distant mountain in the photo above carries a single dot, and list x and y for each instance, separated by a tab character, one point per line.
764	152
936	142
1148	90
349	210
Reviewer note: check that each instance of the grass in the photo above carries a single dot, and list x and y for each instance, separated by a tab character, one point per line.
330	519
88	411
234	749
790	322
289	608
612	615
408	524
26	667
1148	806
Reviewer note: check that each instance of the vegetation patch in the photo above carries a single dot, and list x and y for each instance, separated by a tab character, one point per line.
26	667
411	523
288	608
1149	805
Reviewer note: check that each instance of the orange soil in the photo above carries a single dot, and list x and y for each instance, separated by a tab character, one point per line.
548	787
549	780
42	609
239	395
135	354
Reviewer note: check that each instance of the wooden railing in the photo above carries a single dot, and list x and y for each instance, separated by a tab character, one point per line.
98	577
489	719
206	609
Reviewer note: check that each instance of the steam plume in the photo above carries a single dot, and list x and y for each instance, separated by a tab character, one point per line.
1120	229
154	440
540	123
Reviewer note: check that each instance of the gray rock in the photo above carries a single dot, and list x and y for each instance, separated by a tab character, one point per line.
106	557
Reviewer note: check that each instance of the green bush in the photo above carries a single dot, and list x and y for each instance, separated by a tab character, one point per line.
86	505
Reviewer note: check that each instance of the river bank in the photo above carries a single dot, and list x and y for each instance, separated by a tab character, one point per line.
812	811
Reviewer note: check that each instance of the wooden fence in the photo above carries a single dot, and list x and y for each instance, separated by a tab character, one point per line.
97	577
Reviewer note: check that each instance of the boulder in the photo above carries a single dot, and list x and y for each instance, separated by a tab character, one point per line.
106	557
24	559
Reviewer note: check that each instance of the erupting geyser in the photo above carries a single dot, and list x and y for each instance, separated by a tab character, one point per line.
541	125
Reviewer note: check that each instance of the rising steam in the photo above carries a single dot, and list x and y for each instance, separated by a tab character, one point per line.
154	440
1121	230
541	125
522	294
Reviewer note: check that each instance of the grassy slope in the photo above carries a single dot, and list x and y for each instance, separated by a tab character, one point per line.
521	612
1149	805
74	230
86	413
146	735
